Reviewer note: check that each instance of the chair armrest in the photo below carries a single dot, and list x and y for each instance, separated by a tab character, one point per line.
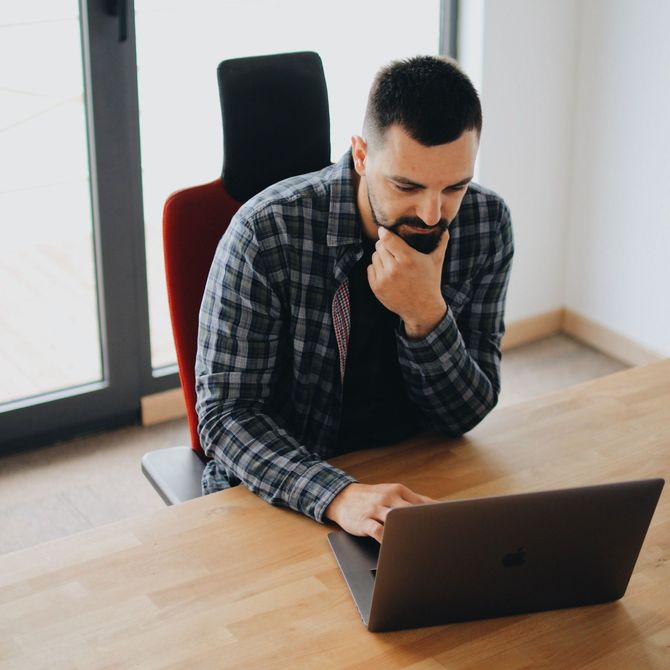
175	473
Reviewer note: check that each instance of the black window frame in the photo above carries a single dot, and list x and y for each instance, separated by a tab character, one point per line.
111	95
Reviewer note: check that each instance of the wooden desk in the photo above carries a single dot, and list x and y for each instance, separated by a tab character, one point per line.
227	581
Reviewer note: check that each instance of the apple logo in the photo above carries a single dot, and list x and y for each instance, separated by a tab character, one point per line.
515	559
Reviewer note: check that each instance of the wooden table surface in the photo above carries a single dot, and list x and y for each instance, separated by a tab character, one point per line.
227	581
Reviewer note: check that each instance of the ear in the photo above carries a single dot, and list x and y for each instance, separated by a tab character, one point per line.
359	151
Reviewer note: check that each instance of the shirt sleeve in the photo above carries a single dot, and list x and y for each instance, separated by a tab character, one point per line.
453	373
238	372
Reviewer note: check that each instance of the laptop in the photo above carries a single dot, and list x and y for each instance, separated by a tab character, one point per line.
488	557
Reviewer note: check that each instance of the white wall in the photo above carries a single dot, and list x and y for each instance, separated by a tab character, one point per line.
618	253
576	98
526	74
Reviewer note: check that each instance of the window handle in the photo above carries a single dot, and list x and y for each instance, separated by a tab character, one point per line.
119	8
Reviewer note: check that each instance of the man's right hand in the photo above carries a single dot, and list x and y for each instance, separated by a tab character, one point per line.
361	509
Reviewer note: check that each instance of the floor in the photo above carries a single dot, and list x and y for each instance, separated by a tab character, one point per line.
72	486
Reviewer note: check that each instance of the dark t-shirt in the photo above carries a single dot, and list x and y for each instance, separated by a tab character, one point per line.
375	409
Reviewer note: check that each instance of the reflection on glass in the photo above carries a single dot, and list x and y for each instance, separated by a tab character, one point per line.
179	46
49	331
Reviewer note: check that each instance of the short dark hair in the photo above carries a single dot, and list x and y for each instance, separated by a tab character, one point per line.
429	96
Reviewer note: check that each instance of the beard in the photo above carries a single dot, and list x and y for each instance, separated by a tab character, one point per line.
402	227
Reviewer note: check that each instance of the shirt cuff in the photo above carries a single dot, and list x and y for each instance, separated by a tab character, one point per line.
431	353
314	489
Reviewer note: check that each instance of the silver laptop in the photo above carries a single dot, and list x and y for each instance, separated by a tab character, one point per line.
487	557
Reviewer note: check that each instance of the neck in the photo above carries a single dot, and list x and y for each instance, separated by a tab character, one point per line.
363	206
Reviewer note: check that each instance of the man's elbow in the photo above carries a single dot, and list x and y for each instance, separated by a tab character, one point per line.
458	423
213	422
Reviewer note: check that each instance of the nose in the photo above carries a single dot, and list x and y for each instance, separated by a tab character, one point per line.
429	210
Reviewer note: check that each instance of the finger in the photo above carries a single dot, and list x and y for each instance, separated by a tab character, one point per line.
442	244
414	498
393	243
382	511
374	529
386	256
378	262
372	276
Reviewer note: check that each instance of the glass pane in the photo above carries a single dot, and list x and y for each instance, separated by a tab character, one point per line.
179	46
49	330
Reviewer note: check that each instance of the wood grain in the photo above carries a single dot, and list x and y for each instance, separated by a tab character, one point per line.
227	581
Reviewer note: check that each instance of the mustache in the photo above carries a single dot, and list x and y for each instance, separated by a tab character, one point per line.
416	222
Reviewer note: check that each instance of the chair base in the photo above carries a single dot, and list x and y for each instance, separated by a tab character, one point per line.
175	473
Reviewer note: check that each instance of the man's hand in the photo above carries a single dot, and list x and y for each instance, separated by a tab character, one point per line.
361	509
408	282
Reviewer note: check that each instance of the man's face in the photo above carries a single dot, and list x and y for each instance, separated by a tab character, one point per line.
416	191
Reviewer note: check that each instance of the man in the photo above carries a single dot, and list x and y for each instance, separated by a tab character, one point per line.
358	305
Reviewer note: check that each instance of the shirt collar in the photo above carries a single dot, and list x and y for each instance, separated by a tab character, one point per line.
344	226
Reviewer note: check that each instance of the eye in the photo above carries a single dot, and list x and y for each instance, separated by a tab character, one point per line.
404	188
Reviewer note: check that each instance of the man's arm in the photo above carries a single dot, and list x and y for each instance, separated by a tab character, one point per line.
453	372
452	377
239	352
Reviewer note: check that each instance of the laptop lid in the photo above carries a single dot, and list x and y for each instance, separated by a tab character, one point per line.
486	557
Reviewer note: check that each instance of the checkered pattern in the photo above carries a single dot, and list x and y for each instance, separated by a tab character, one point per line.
274	331
341	313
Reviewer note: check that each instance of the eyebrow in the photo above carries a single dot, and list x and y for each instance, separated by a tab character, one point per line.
409	182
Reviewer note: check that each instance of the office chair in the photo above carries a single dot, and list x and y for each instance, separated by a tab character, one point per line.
276	124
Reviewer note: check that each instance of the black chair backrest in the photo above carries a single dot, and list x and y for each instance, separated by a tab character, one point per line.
276	122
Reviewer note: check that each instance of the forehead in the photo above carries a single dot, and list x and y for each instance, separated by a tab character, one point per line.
401	155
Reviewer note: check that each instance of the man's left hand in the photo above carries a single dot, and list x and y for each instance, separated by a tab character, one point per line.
408	282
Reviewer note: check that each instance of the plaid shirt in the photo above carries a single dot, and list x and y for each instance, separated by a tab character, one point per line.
274	329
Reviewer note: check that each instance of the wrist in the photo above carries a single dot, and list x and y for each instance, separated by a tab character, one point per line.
332	510
418	328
